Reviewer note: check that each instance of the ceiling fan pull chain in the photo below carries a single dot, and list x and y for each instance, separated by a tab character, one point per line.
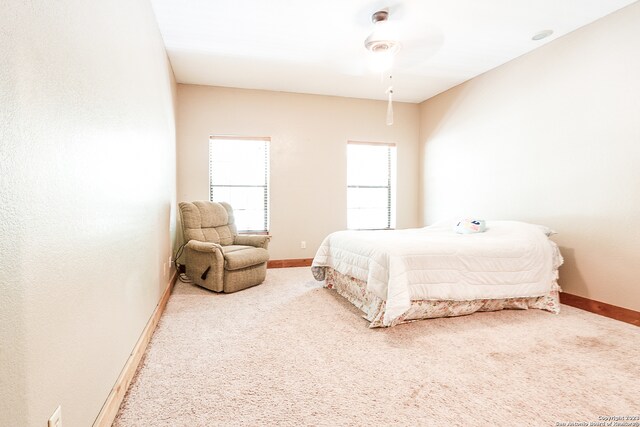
390	104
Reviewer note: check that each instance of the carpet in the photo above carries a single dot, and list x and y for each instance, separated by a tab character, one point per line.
291	353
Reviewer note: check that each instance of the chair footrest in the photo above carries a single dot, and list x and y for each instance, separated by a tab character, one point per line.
243	258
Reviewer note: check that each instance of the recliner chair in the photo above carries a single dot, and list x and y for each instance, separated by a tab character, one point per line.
216	257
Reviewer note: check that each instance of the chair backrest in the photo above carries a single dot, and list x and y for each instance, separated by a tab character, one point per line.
208	222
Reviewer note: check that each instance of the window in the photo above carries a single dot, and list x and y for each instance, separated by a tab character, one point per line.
239	175
370	185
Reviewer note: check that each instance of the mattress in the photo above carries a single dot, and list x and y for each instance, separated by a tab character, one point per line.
510	260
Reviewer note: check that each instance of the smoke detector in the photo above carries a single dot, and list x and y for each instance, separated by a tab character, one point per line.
542	35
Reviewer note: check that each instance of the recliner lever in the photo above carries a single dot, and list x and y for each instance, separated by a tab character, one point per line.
204	275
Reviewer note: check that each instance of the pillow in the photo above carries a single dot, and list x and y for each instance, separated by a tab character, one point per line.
469	226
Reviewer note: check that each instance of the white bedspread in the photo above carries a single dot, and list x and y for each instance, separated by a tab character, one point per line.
510	260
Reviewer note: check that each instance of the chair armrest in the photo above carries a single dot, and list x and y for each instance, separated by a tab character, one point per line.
257	240
203	246
205	264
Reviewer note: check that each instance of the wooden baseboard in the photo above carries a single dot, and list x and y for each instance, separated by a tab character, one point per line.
283	263
110	408
601	308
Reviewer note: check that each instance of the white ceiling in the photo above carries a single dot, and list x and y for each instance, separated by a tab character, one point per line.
318	47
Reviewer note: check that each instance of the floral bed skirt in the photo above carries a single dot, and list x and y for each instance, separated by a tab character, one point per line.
373	307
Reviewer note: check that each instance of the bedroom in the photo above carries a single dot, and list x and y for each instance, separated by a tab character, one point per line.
99	148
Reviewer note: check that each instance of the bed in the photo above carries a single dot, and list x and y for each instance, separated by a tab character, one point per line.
399	276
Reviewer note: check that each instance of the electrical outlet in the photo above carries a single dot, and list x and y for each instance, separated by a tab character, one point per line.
303	245
56	418
164	269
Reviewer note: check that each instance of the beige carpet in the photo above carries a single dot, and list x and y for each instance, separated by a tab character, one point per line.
290	353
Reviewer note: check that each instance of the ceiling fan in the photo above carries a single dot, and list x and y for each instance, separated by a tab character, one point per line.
382	42
388	38
403	37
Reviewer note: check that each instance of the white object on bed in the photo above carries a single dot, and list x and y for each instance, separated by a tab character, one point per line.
510	260
470	226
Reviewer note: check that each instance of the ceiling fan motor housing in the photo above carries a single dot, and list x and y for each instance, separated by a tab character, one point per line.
381	15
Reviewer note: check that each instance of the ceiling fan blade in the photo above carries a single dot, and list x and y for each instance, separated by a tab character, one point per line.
354	63
418	44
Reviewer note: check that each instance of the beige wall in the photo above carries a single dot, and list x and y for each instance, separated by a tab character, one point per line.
88	190
308	154
552	137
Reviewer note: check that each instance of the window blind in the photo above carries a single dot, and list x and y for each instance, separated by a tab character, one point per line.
370	185
239	175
